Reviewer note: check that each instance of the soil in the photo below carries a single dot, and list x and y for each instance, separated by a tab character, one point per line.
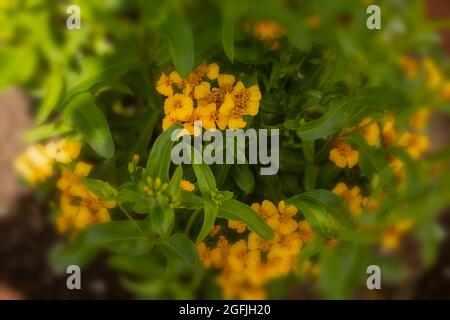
27	237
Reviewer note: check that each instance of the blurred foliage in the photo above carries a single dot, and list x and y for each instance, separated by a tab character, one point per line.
321	77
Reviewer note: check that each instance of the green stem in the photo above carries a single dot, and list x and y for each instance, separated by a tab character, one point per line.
131	219
191	221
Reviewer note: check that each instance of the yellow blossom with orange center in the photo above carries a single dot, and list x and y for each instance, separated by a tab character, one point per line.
343	155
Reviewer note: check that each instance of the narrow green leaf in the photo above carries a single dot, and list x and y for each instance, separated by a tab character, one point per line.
86	245
46	131
162	220
100	188
371	160
236	210
83	115
179	248
325	126
205	178
158	163
243	177
52	93
209	216
149	120
326	199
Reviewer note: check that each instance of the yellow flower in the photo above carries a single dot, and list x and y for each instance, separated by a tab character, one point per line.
213	71
389	132
391	236
217	95
305	231
370	131
215	229
247	266
35	165
64	151
256	243
370	204
314	21
247	99
208	115
210	71
70	180
287	224
292	242
445	91
202	90
267	30
78	213
231	115
398	167
168	121
343	155
352	197
226	82
241	102
420	119
238	255
434	76
187	185
179	107
165	83
410	66
210	257
239	226
268	211
415	144
278	261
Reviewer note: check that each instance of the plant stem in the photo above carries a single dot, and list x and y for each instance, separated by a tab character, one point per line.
191	221
131	219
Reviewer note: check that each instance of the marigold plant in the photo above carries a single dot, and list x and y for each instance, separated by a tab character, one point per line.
358	172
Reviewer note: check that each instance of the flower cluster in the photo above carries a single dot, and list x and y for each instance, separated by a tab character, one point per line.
79	206
247	265
415	143
36	163
207	96
354	199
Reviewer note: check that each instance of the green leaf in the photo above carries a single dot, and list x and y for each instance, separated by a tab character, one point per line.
318	218
174	183
46	131
309	150
189	200
89	79
17	65
158	163
236	210
229	20
168	22
87	244
53	89
243	177
149	120
310	176
179	248
162	220
205	177
100	188
210	213
328	124
83	115
371	160
329	201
